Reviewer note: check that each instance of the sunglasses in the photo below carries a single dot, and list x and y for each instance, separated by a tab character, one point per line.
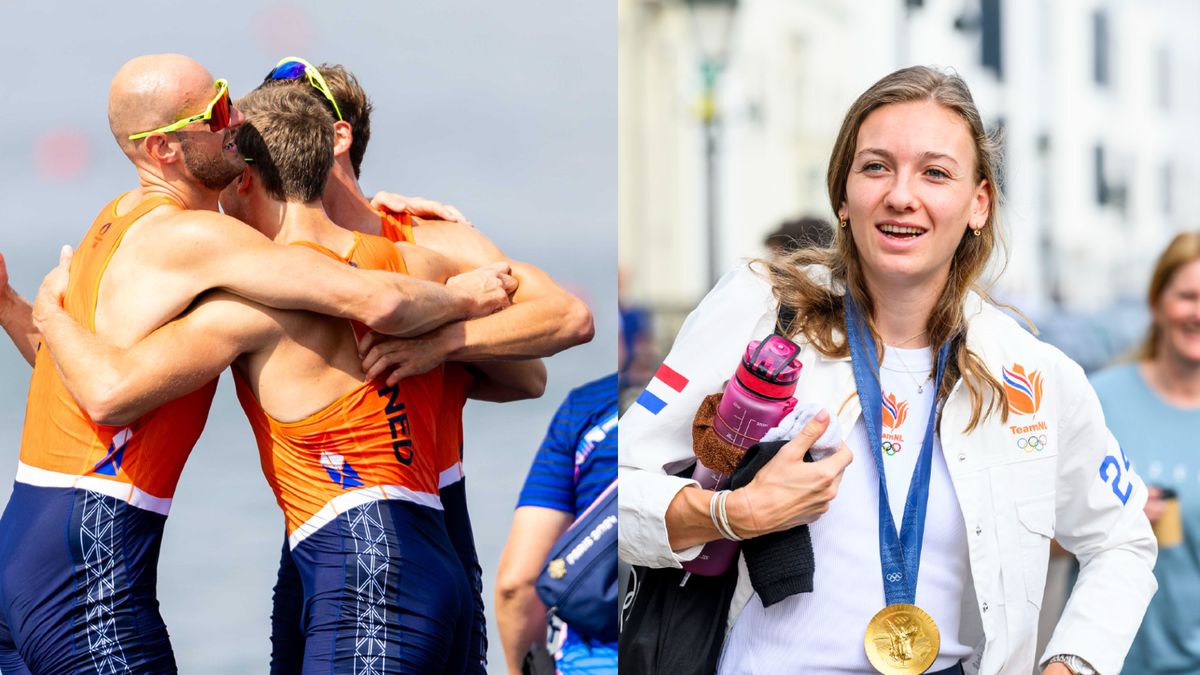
218	114
294	68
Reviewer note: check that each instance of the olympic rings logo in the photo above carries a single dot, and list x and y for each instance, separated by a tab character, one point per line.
891	448
895	577
1033	443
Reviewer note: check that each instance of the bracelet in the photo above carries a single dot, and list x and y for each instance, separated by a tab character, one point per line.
722	519
712	512
725	518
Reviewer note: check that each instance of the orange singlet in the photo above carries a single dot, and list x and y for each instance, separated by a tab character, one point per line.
458	380
62	447
372	443
397	227
451	486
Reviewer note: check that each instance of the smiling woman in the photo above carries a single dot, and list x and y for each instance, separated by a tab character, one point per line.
929	550
1153	408
914	185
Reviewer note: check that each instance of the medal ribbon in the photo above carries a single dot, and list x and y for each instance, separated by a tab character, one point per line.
899	553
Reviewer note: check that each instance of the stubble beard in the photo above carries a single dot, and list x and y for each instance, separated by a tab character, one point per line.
213	170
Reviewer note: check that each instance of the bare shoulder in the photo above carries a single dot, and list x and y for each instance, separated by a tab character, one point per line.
460	242
203	228
425	263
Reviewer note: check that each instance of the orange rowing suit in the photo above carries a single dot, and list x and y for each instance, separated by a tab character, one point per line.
451	486
80	536
374	442
383	589
458	380
61	446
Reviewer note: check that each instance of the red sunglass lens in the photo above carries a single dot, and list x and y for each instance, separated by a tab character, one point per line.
220	113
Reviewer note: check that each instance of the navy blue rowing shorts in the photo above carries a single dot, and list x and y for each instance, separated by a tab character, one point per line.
77	585
462	537
378	589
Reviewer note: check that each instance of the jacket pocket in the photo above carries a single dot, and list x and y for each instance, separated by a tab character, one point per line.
1036	515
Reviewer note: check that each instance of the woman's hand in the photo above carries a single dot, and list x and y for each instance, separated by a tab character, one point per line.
1155	504
788	491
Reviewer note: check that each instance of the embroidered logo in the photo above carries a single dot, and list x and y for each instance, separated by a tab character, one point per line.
110	465
1024	390
98	237
894	412
340	471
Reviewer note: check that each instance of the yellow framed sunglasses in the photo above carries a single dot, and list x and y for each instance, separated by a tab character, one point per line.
218	113
293	68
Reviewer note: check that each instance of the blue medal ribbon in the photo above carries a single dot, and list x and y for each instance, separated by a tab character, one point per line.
899	553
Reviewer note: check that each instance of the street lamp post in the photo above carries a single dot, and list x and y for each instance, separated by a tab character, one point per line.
712	21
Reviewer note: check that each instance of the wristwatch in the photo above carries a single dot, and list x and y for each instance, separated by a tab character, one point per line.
1076	665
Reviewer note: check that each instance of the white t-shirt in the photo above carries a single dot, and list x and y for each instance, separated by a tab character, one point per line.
822	631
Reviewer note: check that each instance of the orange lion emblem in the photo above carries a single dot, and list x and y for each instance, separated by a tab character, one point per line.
1024	390
894	413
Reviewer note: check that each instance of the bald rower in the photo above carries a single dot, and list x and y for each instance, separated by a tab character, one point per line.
80	536
352	462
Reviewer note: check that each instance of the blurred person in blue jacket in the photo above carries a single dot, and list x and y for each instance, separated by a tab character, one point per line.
577	461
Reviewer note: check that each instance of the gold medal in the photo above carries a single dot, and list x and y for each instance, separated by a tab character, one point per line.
902	640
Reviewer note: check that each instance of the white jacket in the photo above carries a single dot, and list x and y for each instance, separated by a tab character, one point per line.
1077	488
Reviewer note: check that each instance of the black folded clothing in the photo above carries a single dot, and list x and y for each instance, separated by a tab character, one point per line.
781	563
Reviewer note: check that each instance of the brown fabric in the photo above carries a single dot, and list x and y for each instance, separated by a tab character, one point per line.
712	451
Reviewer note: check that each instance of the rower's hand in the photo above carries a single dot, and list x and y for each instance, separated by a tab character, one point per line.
393	358
53	289
417	206
788	491
490	287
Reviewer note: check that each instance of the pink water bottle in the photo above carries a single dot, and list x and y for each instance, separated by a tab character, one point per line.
756	398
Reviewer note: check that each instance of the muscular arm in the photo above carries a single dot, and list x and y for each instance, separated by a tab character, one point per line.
16	317
496	381
504	381
544	319
520	614
116	386
219	252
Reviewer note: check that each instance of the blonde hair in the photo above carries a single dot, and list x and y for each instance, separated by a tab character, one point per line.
819	310
1183	249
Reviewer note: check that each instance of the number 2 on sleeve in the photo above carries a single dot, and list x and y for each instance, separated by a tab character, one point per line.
1123	495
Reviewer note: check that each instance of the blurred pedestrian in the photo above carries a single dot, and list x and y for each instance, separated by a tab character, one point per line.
930	548
1152	406
577	461
806	232
637	357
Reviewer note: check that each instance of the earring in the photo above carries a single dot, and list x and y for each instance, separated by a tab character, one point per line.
978	231
843	223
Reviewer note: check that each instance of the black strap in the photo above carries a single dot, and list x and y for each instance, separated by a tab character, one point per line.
784	320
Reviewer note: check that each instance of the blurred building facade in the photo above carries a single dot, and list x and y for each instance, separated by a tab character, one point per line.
1097	102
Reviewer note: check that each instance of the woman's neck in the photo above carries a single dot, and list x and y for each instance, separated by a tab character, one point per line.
902	311
1174	378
